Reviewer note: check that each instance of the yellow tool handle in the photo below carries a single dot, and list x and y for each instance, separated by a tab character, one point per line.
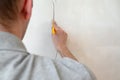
53	29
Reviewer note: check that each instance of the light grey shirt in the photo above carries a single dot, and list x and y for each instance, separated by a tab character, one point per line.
17	64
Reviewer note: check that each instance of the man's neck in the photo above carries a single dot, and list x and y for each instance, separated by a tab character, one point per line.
13	31
3	29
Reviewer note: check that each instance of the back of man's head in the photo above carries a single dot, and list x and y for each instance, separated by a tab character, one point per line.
8	10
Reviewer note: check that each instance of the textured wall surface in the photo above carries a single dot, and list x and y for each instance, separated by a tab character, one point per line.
93	27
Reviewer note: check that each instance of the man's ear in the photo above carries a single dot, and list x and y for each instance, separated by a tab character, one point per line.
27	9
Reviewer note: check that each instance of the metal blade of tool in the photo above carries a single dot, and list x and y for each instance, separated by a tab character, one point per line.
53	3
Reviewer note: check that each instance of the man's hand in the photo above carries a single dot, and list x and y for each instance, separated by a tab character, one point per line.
60	39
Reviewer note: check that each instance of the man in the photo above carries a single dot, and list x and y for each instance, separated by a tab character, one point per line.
17	64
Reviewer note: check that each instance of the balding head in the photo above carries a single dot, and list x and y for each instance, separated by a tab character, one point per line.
15	15
8	10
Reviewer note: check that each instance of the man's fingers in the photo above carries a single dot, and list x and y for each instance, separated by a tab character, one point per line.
55	23
56	29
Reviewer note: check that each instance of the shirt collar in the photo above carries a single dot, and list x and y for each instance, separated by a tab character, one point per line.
10	42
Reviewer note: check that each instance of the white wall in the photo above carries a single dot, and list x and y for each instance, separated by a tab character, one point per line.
93	27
